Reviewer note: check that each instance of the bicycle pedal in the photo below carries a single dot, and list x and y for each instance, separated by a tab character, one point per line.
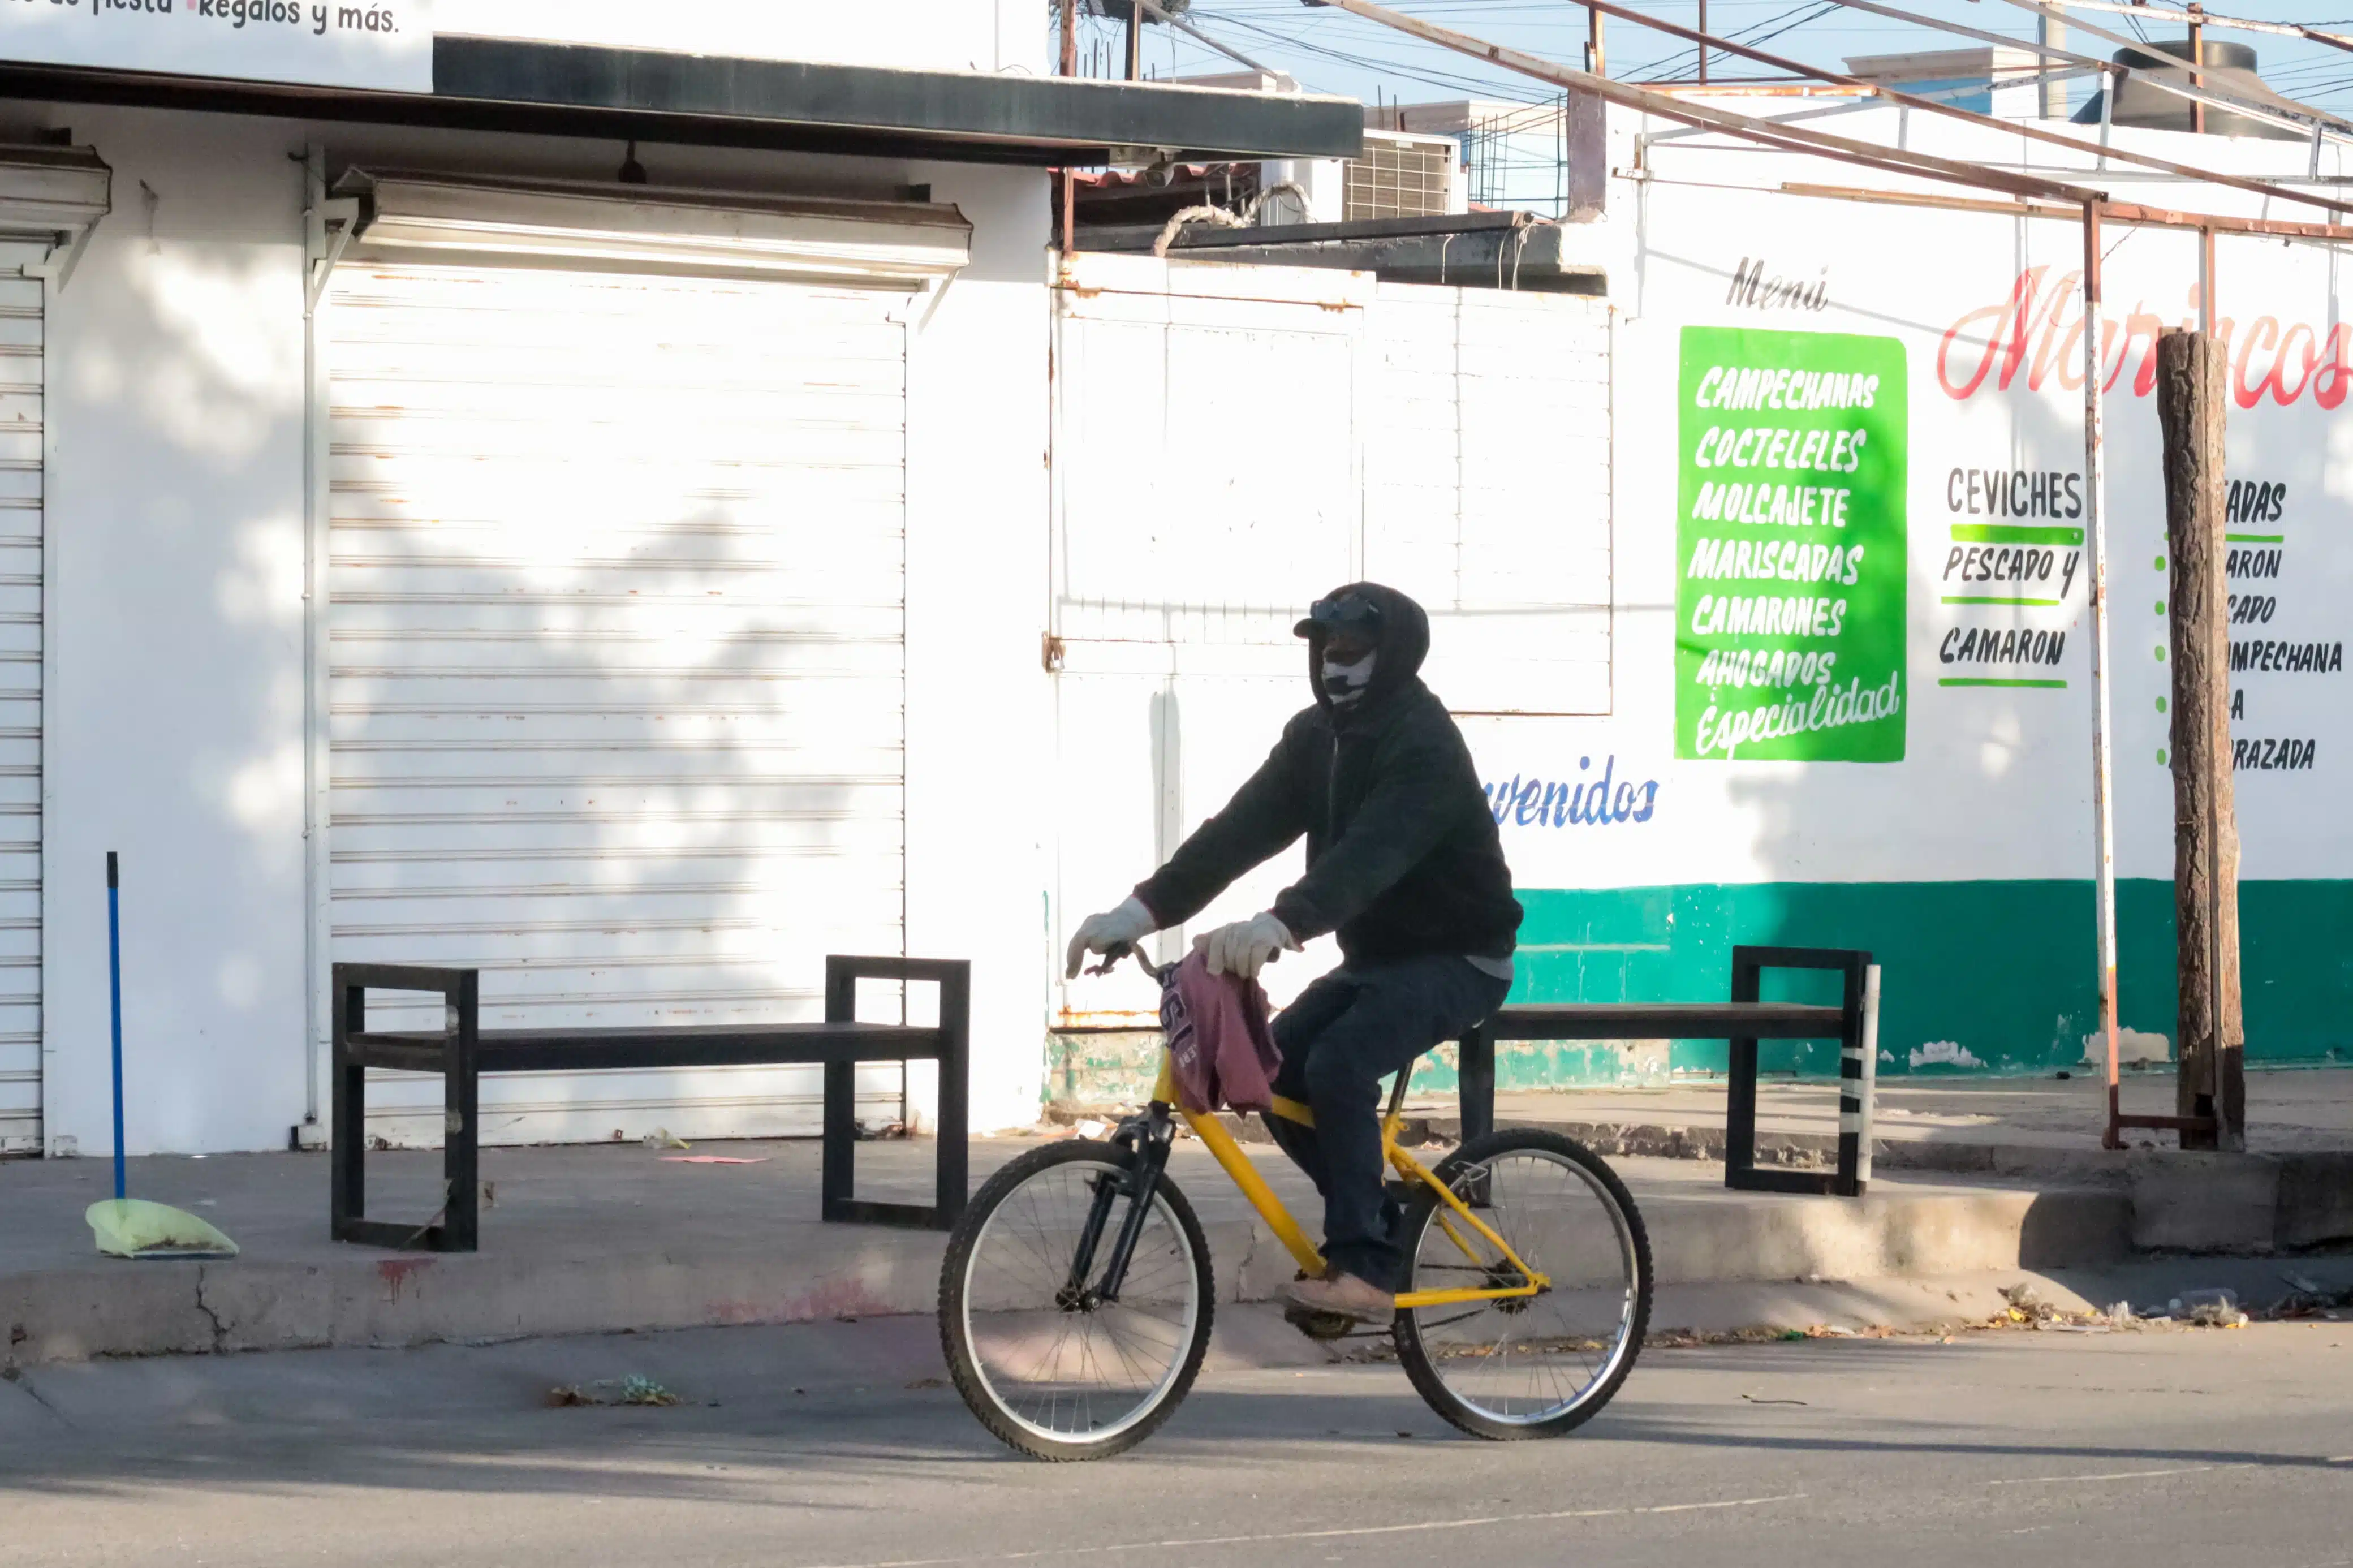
1318	1325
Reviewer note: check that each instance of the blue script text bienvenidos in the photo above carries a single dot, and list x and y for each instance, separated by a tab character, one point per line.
1529	802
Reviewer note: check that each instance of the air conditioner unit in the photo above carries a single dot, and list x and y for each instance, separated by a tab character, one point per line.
1400	176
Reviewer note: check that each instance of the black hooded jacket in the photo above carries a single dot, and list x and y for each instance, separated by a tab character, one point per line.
1403	858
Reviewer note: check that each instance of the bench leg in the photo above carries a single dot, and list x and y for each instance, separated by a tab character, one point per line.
952	1177
1475	1073
1740	1114
1853	1071
955	1174
347	1124
841	1144
461	1145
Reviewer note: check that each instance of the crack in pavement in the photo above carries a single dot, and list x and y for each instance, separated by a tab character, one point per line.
220	1330
17	1376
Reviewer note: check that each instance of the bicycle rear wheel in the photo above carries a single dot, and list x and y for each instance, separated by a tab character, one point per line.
1047	1364
1532	1366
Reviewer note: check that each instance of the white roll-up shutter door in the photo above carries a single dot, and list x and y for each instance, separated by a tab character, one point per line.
21	387
50	198
617	656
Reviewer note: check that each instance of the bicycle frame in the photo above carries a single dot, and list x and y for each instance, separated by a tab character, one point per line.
1244	1173
1150	1135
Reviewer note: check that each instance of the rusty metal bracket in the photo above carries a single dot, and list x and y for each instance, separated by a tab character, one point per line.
328	226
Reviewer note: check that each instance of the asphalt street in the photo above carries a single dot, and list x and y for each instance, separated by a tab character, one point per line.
838	1444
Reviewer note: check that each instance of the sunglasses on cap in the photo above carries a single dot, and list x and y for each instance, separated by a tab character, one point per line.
1344	614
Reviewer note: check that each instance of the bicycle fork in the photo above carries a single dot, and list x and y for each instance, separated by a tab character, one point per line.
1149	1137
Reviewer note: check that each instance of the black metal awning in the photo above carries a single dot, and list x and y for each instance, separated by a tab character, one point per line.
571	90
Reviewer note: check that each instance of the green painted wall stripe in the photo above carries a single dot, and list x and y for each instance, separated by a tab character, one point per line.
2013	533
2002	970
1994	680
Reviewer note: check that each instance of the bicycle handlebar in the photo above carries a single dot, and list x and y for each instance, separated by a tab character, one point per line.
1112	954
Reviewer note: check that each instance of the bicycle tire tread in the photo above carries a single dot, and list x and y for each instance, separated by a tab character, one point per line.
1414	1357
963	1367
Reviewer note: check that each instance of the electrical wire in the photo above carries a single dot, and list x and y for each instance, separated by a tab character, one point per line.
1674	65
1328	49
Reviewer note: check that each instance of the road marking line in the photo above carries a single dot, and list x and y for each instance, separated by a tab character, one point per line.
2112	1476
1325	1534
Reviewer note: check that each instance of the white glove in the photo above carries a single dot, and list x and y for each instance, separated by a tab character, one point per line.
1245	947
1100	933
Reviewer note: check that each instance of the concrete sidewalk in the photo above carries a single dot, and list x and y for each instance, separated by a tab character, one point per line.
586	1240
2020	1125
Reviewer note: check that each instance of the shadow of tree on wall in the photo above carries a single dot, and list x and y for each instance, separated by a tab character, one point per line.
619	685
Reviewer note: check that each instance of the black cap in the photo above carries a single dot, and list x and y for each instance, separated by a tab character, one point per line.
1348	614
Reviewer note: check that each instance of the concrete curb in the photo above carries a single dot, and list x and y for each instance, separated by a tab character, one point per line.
366	1299
2180	1201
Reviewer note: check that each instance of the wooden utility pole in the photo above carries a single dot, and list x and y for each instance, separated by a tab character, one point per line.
2190	399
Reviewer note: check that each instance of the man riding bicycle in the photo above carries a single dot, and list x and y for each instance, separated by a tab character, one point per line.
1404	865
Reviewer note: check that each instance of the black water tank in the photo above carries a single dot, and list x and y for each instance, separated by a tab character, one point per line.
2229	70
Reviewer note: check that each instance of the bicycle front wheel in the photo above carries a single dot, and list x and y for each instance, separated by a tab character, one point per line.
1529	1366
1046	1363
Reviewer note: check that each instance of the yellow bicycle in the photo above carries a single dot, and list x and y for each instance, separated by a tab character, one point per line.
1076	1296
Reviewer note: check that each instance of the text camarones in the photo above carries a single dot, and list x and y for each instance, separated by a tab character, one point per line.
1790	547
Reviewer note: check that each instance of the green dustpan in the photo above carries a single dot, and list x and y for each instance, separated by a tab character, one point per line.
133	1227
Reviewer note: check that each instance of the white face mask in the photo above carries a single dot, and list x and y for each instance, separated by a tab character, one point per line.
1345	684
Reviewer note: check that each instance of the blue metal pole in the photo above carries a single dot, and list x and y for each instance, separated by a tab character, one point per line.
115	982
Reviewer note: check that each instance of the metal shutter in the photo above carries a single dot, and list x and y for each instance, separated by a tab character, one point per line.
617	665
21	383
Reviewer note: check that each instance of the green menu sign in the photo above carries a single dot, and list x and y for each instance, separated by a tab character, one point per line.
1789	547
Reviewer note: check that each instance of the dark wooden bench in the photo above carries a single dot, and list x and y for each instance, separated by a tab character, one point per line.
1744	1020
462	1051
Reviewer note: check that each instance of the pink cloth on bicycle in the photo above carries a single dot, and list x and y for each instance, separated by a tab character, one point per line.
1219	1043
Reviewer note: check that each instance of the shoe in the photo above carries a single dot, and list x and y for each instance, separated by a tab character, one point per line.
1343	1296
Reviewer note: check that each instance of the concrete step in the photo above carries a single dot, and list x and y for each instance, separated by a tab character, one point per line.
601	1239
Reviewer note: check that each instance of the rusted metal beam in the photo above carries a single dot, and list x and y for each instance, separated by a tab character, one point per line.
2197	70
2126	213
1918	165
2095	536
2214	19
2050	52
2269	228
2302	113
1954	112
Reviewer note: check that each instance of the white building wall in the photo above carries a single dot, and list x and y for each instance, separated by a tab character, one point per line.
176	723
979	703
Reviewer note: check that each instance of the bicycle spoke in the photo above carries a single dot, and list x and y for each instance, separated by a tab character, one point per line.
1065	1363
1522	1360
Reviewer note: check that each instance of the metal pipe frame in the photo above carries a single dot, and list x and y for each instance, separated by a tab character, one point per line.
1970	116
1872	100
2110	68
2132	214
2198	94
2212	19
1875	155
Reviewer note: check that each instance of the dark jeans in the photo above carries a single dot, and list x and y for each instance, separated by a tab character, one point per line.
1346	1032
